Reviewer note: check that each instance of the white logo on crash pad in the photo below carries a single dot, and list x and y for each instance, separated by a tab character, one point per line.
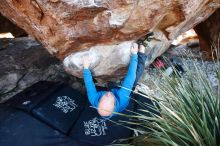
95	127
65	103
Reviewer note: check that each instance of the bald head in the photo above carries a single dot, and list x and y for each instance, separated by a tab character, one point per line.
106	104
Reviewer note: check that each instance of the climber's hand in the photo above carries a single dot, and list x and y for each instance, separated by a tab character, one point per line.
141	48
86	62
134	48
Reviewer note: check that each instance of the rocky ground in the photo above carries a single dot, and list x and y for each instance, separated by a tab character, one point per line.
153	77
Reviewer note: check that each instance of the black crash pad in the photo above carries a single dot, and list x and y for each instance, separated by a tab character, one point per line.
17	128
33	95
55	114
61	109
92	128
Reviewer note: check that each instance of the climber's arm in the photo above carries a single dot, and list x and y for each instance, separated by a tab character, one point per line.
92	93
127	85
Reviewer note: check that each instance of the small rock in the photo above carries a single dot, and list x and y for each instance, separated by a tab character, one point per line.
54	1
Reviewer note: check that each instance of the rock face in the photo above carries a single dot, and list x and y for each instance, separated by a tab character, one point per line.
23	62
104	29
209	33
8	26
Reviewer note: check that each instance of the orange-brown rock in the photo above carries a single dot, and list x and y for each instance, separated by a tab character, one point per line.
209	34
6	26
104	29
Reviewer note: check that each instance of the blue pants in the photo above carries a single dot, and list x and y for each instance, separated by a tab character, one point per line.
140	67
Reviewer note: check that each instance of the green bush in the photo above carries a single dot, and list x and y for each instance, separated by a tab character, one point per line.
190	112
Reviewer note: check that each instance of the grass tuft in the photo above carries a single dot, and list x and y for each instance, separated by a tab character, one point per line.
189	108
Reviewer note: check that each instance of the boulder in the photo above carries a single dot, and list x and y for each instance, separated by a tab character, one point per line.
23	62
104	29
209	34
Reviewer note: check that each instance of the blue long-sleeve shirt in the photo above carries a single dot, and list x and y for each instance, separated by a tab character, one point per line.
121	95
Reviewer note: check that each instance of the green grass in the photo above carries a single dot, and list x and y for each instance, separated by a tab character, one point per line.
190	112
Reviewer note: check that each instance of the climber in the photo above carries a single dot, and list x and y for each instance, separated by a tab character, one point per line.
117	99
